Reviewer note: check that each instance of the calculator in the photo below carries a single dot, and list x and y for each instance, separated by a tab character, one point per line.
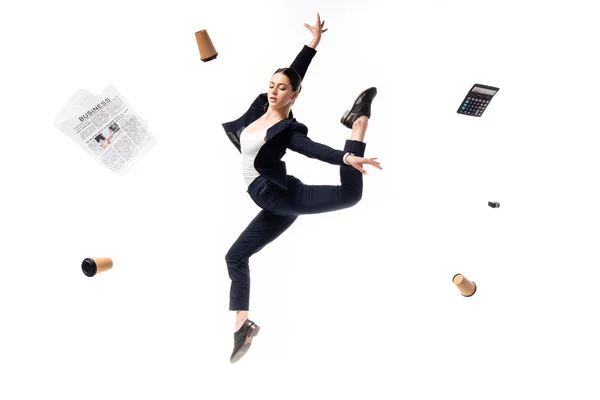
477	100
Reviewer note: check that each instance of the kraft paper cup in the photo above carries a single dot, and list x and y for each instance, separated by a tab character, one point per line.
93	266
466	287
205	45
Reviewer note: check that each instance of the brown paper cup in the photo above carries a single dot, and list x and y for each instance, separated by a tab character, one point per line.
93	266
205	45
466	287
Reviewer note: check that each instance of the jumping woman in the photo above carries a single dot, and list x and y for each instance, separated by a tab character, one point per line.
262	135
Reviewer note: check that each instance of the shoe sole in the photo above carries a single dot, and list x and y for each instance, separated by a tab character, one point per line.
347	113
344	117
246	346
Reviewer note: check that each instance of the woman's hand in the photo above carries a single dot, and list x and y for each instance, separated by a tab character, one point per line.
358	162
316	30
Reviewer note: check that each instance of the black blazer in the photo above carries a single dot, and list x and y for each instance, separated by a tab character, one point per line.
285	134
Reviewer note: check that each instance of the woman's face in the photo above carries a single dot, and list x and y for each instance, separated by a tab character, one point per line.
280	91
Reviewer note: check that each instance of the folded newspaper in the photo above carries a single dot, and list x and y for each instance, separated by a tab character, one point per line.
106	127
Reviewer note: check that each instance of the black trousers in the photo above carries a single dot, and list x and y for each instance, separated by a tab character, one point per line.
280	208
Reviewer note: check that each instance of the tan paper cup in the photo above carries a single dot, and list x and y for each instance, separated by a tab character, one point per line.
205	45
93	266
466	287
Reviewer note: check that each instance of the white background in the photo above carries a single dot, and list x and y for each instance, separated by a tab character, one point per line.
358	302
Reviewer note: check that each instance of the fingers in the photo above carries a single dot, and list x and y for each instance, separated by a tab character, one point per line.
318	26
374	163
322	25
371	161
358	166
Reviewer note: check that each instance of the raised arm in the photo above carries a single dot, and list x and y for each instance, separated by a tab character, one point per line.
302	61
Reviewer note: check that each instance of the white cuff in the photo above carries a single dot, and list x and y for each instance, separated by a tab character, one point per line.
345	157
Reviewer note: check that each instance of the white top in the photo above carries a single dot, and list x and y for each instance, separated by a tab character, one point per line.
251	144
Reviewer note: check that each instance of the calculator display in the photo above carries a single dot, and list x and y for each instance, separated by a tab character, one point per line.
484	91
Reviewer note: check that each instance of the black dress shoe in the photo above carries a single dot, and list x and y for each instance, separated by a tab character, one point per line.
242	339
362	106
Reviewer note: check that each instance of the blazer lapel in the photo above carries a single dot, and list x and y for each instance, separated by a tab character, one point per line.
256	110
278	128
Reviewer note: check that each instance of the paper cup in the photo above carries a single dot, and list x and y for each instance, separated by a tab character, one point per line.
466	287
93	266
205	45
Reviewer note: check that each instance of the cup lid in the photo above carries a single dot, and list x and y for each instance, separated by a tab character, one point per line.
89	268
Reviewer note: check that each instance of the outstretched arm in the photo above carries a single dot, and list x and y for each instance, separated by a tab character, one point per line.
302	144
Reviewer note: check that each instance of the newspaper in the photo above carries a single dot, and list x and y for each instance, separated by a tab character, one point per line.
106	127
